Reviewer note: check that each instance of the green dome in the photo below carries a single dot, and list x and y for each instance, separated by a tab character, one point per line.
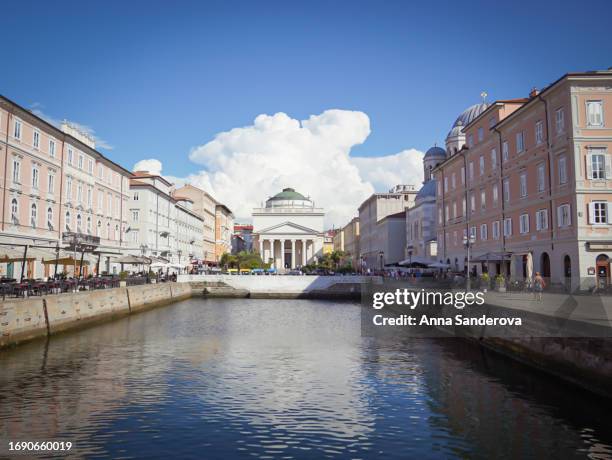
288	194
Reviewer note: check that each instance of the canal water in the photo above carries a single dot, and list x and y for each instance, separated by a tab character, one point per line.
236	378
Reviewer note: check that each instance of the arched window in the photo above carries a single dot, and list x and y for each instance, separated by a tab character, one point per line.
14	212
89	225
50	218
33	215
68	221
79	223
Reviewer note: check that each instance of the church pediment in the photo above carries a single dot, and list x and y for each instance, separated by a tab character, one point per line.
288	228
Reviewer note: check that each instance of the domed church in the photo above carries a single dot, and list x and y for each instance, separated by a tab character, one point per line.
288	230
421	241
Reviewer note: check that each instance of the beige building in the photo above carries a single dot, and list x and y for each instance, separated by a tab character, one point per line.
224	227
206	206
533	184
346	240
374	209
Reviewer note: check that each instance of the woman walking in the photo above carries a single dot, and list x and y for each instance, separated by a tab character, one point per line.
538	286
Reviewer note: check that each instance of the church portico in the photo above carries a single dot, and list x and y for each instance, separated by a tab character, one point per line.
289	230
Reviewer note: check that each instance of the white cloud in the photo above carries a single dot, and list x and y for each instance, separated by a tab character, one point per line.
244	166
151	165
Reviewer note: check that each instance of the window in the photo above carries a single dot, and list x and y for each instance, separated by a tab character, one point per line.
483	199
539	132
470	140
598	164
110	205
464	207
52	148
520	142
439	215
454	181
136	196
17	129
508	226
101	172
463	175
67	221
505	151
560	120
523	179
483	232
51	183
541	178
70	155
495	230
135	215
36	139
542	219
472	233
89	225
562	170
33	216
563	216
100	201
98	227
50	218
79	224
524	223
472	203
35	177
480	134
471	169
90	166
447	214
69	187
80	192
445	184
80	161
14	212
455	209
495	194
506	185
493	159
482	165
16	171
89	197
594	114
598	212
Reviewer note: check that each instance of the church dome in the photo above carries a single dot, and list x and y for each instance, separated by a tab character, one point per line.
434	153
428	191
465	118
288	198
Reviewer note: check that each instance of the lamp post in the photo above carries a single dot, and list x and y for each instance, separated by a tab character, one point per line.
179	253
468	242
381	256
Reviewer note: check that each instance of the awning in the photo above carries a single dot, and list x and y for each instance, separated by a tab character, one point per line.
65	261
439	265
416	261
132	260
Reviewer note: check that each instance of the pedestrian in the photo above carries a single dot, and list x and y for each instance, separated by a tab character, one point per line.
538	286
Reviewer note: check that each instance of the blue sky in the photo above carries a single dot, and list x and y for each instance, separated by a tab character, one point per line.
155	79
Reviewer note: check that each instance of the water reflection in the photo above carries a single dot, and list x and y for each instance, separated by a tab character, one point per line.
291	379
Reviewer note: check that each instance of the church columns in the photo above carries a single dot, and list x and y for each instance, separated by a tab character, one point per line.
293	264
261	250
282	253
303	252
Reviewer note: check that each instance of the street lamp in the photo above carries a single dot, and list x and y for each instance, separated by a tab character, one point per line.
179	253
467	243
381	256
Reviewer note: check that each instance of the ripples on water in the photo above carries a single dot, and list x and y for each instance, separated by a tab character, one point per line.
285	379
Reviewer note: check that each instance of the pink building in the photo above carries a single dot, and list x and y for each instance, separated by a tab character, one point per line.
533	181
54	182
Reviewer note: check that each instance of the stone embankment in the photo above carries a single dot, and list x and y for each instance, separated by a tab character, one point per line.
26	319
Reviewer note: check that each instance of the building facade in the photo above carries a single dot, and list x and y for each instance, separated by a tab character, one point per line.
351	242
161	224
224	228
289	230
421	236
533	184
55	184
206	206
371	211
390	239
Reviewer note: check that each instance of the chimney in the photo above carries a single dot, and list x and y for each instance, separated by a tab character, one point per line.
534	92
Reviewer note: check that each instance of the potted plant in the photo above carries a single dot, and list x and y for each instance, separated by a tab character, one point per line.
500	283
485	281
123	279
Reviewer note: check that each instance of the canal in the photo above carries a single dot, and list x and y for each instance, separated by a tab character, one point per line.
238	378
